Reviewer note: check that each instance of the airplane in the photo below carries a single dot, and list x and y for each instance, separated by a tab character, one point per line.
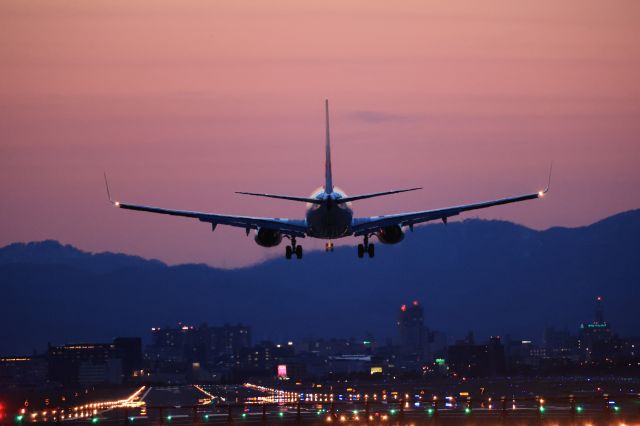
329	215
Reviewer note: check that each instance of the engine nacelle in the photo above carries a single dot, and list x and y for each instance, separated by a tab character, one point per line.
390	234
268	237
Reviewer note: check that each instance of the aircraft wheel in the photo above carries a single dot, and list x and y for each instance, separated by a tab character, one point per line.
299	252
360	250
371	250
287	252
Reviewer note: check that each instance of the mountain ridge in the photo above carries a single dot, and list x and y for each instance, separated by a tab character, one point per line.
493	277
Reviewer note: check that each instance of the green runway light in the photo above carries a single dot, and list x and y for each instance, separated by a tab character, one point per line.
244	415
281	414
206	417
579	409
616	408
169	418
94	420
355	412
19	418
319	412
467	410
541	409
392	411
131	419
430	411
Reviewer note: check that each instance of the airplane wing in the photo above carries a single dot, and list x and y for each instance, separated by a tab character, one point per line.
293	227
368	225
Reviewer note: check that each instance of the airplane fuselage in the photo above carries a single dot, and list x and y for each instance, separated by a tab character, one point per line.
329	220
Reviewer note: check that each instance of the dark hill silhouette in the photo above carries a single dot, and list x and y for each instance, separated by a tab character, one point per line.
492	277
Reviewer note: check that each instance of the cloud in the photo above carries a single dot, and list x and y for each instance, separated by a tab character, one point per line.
375	117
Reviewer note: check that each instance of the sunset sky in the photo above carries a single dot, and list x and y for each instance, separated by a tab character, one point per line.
185	102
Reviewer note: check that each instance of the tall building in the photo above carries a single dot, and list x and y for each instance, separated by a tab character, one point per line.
413	335
595	338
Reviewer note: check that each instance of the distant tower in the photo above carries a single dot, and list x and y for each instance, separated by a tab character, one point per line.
411	329
594	338
599	310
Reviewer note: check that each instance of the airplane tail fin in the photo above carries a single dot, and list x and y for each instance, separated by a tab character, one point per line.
328	181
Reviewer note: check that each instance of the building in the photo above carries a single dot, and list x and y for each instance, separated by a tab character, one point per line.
95	363
84	363
559	343
207	346
413	335
17	371
130	351
595	338
468	359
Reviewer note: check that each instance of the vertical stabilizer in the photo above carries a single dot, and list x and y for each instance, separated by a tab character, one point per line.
328	181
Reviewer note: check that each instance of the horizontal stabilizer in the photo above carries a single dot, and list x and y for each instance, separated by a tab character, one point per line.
283	197
373	194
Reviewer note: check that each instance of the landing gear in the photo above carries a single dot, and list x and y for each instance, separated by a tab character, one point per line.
367	247
328	246
293	249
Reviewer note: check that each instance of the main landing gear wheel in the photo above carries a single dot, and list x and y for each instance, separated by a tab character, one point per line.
366	247
292	249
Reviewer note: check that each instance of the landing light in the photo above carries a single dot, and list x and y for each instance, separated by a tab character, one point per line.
117	203
540	193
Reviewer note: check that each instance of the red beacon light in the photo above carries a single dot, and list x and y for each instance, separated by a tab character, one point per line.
403	308
415	303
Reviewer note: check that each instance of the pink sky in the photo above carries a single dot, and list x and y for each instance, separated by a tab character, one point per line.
183	103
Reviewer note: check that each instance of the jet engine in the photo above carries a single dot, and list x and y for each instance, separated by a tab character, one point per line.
268	237
390	234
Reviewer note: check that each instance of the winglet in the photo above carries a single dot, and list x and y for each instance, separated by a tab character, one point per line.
106	184
544	191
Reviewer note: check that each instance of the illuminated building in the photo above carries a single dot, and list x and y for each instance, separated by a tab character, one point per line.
413	335
94	363
595	337
22	371
84	363
202	344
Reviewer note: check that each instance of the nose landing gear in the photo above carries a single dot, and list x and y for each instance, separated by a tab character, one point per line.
366	247
328	246
293	249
